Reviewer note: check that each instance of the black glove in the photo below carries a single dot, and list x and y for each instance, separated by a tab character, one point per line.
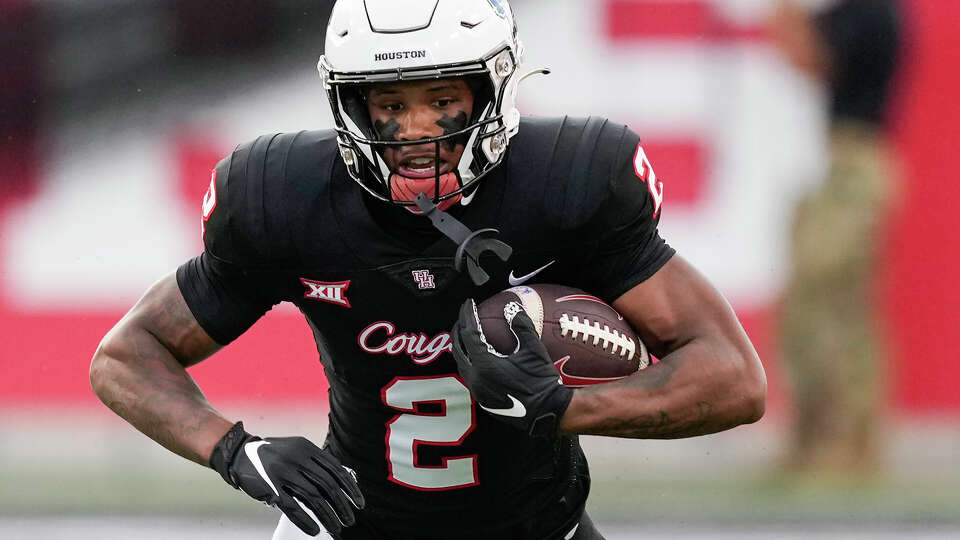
522	389
305	482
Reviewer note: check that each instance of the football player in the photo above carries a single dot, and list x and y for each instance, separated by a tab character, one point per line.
369	230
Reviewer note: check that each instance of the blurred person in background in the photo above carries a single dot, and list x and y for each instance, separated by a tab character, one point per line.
831	339
21	95
423	94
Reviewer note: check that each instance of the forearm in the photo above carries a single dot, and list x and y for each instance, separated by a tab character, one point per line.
695	390
141	381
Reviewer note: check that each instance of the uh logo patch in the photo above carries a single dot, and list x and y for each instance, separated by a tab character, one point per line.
424	279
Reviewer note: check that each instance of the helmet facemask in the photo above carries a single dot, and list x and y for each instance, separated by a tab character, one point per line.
484	134
385	41
446	186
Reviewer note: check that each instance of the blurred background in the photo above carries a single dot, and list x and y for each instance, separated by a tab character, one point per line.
113	112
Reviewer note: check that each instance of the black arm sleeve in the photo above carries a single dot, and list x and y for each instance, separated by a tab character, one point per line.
630	249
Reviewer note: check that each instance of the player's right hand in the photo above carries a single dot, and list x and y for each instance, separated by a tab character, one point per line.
307	483
522	389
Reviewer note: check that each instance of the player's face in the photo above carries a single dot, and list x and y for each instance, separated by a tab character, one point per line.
413	110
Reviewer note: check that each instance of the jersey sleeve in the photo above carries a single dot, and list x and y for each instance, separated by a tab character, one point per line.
225	299
233	283
630	248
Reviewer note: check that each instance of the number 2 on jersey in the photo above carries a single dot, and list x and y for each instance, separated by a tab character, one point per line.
412	428
209	202
641	165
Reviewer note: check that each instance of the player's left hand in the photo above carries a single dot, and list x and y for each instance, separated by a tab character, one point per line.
523	388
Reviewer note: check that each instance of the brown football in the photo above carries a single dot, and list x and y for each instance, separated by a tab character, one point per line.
588	341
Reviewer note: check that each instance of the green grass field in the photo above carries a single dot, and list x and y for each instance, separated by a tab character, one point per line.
185	488
104	468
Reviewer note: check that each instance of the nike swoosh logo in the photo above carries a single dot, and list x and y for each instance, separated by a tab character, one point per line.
574	380
251	449
313	516
514	281
517	410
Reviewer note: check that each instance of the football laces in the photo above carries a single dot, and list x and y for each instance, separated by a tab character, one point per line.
602	336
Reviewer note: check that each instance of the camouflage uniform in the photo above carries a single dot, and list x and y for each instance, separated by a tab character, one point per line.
832	344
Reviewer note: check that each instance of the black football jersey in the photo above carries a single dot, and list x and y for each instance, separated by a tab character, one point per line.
575	198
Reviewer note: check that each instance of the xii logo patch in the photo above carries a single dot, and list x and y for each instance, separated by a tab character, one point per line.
424	279
324	291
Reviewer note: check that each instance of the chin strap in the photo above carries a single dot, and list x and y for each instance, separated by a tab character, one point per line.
470	245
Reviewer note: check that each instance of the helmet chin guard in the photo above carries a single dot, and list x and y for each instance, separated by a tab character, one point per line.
383	41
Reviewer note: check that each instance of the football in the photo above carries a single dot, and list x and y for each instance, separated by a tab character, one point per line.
588	341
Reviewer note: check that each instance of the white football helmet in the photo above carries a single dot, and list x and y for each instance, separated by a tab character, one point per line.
374	41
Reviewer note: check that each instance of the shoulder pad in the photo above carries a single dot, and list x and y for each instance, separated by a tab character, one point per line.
577	161
252	195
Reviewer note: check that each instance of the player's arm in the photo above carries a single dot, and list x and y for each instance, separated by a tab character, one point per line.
139	371
709	377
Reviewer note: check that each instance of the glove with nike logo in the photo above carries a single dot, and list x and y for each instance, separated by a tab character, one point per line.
305	482
522	389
